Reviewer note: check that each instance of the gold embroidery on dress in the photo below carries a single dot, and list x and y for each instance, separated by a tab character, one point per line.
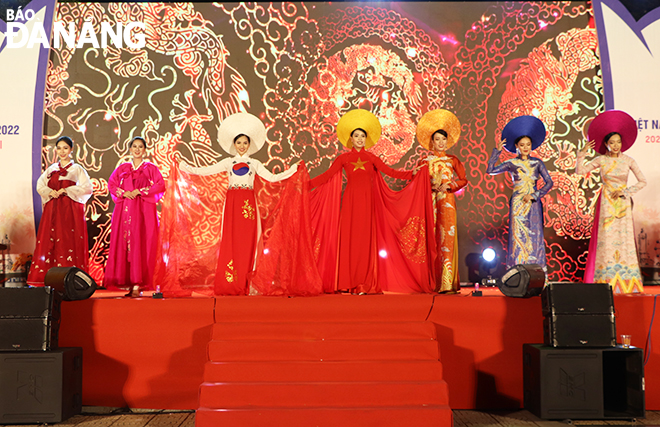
230	274
413	240
441	171
248	210
520	230
317	248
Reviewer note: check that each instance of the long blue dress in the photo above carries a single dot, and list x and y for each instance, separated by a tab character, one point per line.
526	244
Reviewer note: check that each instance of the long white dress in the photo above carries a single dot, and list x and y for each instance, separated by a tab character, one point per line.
612	252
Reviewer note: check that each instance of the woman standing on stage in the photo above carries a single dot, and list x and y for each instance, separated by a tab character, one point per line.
522	135
135	188
357	130
612	252
240	135
64	188
437	131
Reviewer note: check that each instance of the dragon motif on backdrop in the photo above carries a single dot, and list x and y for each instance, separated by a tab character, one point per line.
300	66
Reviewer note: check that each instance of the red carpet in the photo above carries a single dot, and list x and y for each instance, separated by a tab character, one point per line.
324	361
150	353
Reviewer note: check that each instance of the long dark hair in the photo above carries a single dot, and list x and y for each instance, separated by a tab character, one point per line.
610	135
441	132
365	132
515	143
240	135
66	139
137	138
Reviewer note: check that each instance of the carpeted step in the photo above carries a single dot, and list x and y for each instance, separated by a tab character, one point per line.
393	416
296	350
315	394
362	370
326	330
387	308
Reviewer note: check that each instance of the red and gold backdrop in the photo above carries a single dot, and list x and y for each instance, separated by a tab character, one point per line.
300	66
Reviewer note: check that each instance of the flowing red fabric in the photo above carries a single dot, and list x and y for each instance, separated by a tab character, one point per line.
405	235
191	228
404	247
191	232
325	204
285	256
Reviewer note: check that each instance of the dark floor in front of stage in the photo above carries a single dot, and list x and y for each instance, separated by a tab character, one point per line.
107	417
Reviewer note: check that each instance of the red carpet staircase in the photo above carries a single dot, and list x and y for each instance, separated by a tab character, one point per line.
333	360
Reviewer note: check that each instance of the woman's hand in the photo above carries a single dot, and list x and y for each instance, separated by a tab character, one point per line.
131	194
616	194
588	146
527	198
54	194
501	145
443	188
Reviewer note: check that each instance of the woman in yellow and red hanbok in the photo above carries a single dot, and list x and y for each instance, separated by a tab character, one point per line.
438	131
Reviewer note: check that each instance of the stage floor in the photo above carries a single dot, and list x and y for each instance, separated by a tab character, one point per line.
150	353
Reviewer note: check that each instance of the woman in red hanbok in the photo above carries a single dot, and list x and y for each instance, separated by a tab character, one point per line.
62	237
264	242
135	188
383	241
437	131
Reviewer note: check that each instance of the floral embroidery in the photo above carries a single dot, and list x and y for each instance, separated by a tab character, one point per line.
230	274
248	210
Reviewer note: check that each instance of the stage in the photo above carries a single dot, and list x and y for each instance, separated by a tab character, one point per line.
150	353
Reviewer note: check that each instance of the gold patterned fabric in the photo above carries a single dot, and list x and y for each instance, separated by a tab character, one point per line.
413	240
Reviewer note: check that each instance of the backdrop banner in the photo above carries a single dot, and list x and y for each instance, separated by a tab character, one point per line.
630	58
25	30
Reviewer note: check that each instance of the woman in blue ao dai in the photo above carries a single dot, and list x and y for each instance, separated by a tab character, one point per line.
523	135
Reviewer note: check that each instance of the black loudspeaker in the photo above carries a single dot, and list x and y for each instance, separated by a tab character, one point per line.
29	318
40	387
606	383
579	330
578	315
72	282
523	281
577	298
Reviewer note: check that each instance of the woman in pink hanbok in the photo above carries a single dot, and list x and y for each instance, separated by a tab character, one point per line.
135	188
612	252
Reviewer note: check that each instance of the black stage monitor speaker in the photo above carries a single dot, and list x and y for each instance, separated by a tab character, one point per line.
29	318
523	281
592	384
577	298
578	315
72	282
40	387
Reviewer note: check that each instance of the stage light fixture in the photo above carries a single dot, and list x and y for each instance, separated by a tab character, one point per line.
485	267
72	282
489	254
523	281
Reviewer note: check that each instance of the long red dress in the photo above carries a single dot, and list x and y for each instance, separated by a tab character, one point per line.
235	228
358	251
134	238
62	235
